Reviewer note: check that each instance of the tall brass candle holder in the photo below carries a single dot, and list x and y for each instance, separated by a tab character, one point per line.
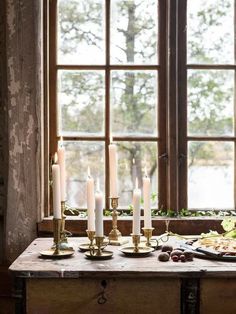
97	252
64	245
57	235
115	236
56	251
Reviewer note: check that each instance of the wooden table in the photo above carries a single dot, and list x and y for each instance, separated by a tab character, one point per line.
121	284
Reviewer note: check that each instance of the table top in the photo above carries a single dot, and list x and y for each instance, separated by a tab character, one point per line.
31	265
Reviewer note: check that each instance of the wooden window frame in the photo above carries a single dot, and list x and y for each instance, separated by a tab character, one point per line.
160	68
172	97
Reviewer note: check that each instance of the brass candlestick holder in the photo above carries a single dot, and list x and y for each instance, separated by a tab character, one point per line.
136	241
91	235
97	252
57	235
87	246
148	235
56	251
136	250
64	245
115	236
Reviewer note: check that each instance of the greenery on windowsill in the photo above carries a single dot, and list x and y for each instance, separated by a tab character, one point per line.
169	213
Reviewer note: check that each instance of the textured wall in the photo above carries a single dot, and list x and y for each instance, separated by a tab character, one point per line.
20	119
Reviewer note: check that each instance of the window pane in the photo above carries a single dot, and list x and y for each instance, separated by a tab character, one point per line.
81	102
80	156
134	32
133	157
210	102
134	102
210	175
211	31
81	32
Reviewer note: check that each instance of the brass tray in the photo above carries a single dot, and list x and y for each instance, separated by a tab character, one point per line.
105	255
51	253
143	251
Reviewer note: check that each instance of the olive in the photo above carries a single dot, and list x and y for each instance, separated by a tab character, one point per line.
167	248
163	257
188	255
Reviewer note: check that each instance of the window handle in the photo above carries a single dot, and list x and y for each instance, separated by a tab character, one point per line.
164	156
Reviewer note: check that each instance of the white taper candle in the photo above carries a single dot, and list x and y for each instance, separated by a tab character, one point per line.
56	192
98	212
90	202
136	209
62	164
146	202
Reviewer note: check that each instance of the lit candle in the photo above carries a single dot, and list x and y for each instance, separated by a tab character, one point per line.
136	209
90	202
146	201
56	191
61	162
98	212
113	169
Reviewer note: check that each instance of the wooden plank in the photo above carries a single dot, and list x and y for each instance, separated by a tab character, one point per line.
122	296
218	296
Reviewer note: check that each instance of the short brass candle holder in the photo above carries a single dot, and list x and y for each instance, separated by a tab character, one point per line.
136	250
87	246
136	241
97	252
56	251
64	245
148	235
115	236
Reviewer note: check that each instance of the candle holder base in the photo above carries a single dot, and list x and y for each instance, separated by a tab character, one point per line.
143	251
102	256
53	254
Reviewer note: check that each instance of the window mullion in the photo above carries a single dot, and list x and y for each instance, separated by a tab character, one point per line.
182	103
162	105
172	197
107	101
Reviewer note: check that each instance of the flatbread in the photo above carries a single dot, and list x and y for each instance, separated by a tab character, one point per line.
219	244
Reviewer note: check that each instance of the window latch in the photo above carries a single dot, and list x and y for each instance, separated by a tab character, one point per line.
164	157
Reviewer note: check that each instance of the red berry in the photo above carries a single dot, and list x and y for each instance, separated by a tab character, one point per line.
174	258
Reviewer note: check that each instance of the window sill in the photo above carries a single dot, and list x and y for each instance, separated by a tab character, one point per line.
187	225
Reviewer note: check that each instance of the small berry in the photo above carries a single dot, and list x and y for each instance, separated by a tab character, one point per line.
175	258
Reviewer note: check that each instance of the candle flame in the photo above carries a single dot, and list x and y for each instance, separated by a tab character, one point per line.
136	183
55	158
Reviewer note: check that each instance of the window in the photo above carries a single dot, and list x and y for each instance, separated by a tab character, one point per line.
129	70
